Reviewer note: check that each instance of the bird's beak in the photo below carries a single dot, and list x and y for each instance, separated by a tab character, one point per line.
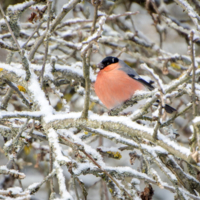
100	65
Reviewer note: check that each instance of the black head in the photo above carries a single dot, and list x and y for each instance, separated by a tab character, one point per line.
107	61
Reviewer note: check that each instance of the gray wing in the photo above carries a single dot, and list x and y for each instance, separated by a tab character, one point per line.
133	74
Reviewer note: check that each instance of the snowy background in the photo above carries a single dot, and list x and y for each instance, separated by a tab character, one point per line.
33	124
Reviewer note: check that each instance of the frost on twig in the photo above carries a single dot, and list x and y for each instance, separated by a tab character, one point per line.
5	170
50	115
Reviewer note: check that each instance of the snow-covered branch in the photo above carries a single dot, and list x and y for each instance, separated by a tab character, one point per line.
52	120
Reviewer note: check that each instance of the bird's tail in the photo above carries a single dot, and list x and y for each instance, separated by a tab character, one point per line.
147	84
168	108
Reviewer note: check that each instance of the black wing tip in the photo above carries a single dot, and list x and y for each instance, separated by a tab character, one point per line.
147	84
169	109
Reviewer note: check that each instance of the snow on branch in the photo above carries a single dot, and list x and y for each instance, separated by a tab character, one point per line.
121	125
16	174
191	12
59	158
52	120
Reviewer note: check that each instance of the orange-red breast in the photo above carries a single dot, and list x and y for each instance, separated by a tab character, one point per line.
116	83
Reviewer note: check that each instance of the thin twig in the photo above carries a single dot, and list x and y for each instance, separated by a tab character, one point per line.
16	167
36	187
25	62
36	46
171	120
24	100
105	172
9	28
47	41
86	66
37	28
86	50
6	99
81	148
51	169
191	12
75	188
193	73
158	81
3	45
86	73
157	126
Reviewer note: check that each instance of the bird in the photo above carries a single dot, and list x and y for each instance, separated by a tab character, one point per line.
116	83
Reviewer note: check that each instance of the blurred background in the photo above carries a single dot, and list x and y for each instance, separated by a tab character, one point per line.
144	25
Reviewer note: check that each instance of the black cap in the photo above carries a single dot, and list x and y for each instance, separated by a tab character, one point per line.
107	61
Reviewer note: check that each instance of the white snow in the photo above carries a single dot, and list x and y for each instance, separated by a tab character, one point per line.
8	143
61	116
128	170
21	6
15	68
33	186
88	149
53	140
81	167
15	190
4	114
39	95
196	120
116	137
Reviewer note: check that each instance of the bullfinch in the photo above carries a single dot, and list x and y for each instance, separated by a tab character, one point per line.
117	82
